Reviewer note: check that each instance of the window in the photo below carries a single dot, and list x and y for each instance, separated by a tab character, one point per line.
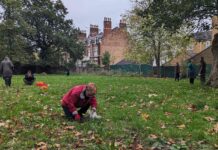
207	44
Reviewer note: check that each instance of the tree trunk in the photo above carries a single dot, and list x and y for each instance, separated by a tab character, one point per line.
158	65
213	78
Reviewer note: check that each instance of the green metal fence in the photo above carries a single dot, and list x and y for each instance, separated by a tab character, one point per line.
148	70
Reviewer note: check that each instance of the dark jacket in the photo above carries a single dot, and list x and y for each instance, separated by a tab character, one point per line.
29	78
202	68
6	68
191	71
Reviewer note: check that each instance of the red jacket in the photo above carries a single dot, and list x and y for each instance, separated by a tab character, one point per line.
75	98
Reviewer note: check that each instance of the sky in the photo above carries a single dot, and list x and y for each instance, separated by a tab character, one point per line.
86	12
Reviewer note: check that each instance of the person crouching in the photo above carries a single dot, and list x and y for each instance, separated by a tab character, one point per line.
29	78
77	101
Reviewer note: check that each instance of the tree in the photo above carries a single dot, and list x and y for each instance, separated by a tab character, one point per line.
173	14
106	59
150	42
51	33
11	27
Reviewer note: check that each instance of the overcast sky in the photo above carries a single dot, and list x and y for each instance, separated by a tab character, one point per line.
86	12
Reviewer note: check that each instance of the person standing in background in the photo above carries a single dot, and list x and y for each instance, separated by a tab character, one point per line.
191	72
177	72
6	69
202	71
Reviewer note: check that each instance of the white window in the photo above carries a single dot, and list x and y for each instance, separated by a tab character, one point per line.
95	52
207	44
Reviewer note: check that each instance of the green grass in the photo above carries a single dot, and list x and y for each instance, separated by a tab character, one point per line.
28	116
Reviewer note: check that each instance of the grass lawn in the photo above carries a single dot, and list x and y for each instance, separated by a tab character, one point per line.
137	113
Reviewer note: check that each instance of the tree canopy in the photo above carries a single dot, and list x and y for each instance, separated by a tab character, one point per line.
173	14
39	28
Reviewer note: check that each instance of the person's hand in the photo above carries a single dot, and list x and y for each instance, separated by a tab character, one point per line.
77	117
93	109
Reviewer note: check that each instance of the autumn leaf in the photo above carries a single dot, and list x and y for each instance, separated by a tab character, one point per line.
133	105
153	136
170	141
182	126
192	107
2	124
210	119
58	146
215	128
206	107
163	126
145	116
69	128
41	146
167	113
139	147
152	95
76	133
5	124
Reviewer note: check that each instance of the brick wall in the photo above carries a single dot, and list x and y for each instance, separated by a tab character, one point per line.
116	43
207	54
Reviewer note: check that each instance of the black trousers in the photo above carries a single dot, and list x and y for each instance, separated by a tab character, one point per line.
191	80
177	76
7	81
30	82
202	78
69	115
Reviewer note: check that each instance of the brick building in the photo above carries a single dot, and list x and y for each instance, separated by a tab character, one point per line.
113	40
200	47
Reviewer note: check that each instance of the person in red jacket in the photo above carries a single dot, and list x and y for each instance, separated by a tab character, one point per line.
78	99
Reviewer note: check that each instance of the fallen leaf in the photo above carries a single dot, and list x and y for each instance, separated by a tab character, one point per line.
69	128
139	147
58	146
2	124
206	107
152	95
170	141
133	105
167	113
76	133
192	107
182	126
153	136
215	128
163	126
145	116
41	146
210	119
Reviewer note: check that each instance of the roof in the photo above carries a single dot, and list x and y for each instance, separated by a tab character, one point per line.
206	49
124	62
203	36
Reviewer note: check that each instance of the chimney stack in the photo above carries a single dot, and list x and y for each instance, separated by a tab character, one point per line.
122	24
93	30
107	26
82	35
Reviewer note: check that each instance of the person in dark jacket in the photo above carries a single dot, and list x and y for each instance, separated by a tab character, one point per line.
177	72
77	101
202	71
29	78
6	69
191	72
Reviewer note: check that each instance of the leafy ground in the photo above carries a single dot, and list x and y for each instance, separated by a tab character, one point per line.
138	113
